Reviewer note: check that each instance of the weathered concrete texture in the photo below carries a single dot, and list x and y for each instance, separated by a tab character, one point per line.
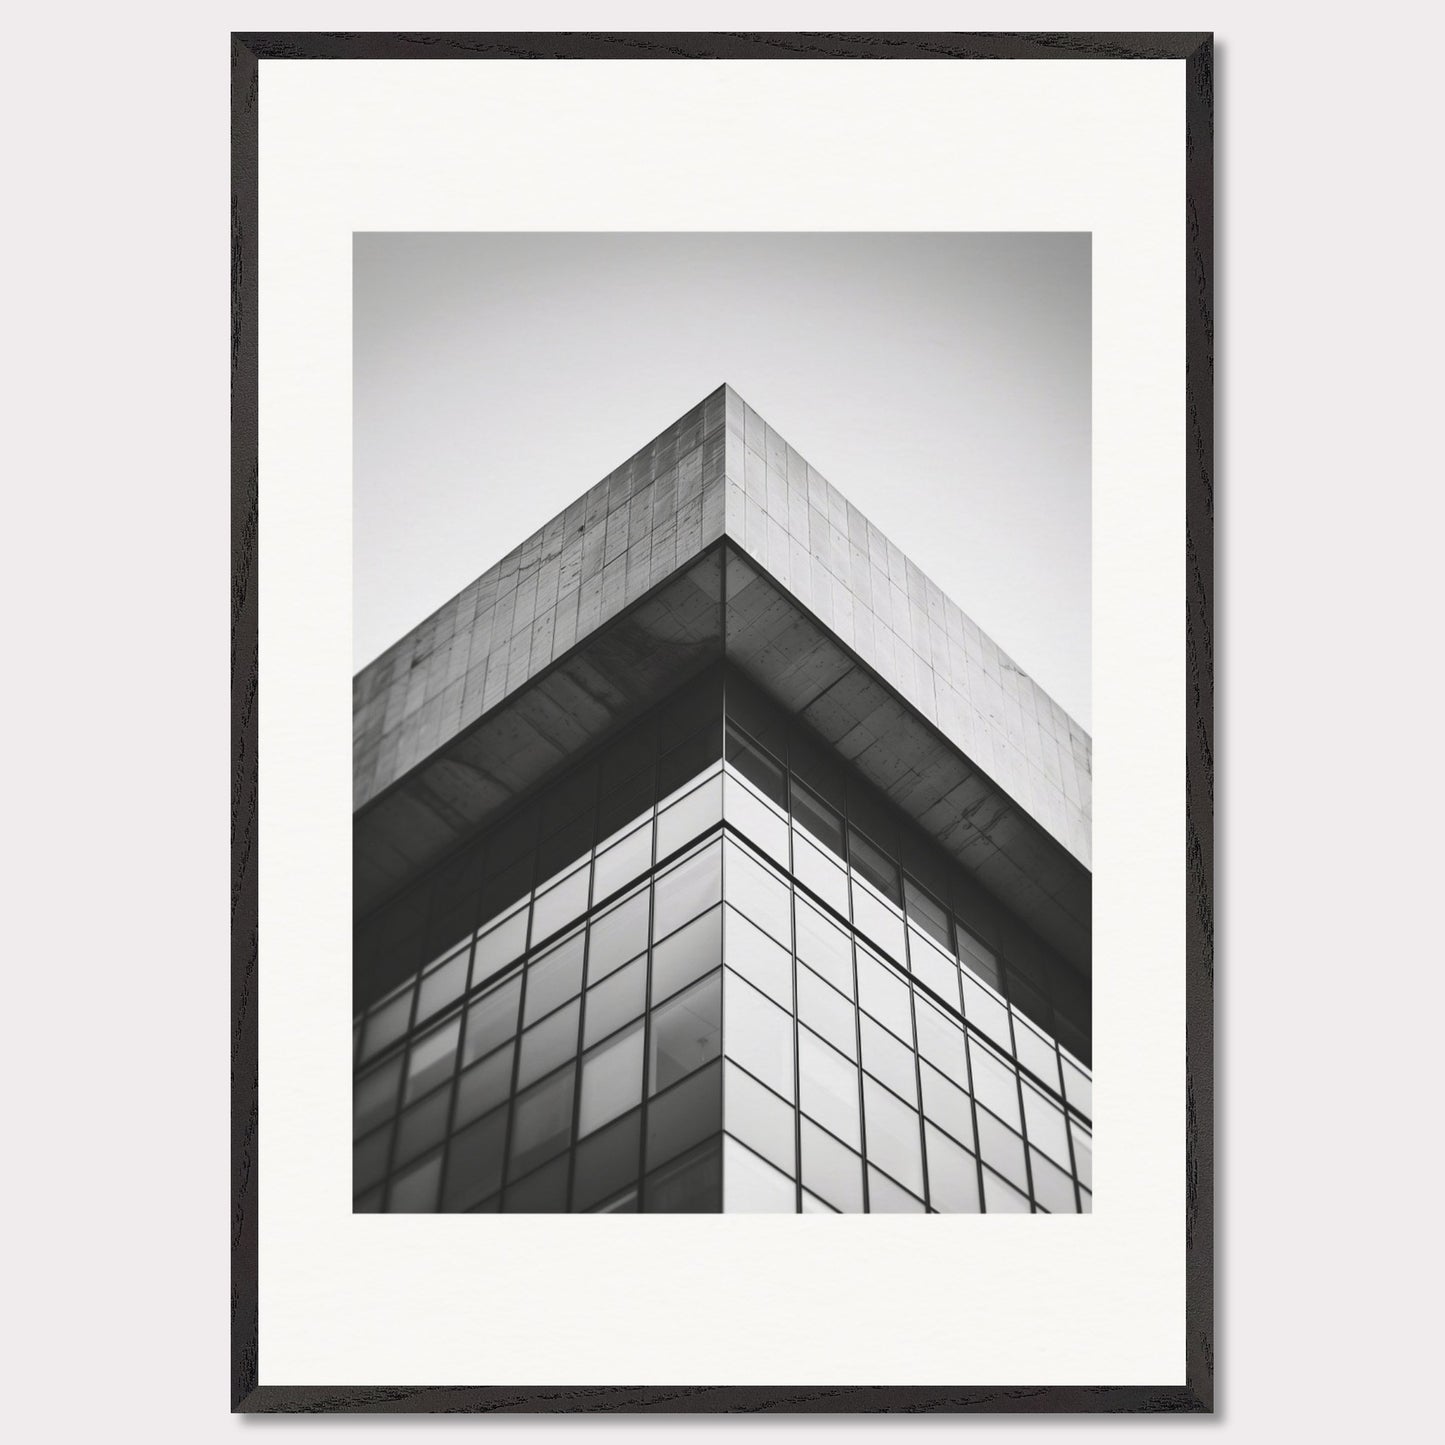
722	469
784	514
654	514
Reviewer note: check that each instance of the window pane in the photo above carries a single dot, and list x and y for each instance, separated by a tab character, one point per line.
542	1121
760	769
443	985
759	1118
1046	1125
375	1097
688	1186
757	822
554	978
821	821
1083	1154
624	1203
875	919
816	870
889	1061
1078	1088
617	1000
548	1043
686	955
684	1116
885	1197
995	1083
492	1019
952	1175
618	936
1036	1053
423	1126
689	817
751	1186
978	959
431	1058
933	968
611	1080
870	862
686	1033
828	1084
1002	1198
760	894
560	904
1001	1148
893	1136
884	994
474	1165
1053	1188
813	1205
607	1161
368	1159
928	913
825	948
750	952
484	1086
827	1012
759	1035
832	1172
501	945
623	861
946	1104
687	890
542	1192
415	1192
940	1040
386	1025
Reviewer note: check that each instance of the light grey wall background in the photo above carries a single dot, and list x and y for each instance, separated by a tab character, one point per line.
940	382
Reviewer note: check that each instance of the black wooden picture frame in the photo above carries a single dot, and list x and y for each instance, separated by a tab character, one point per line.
1197	1394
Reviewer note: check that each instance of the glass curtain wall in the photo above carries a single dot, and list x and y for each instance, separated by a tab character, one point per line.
695	977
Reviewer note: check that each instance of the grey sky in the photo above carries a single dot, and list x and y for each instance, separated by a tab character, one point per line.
940	381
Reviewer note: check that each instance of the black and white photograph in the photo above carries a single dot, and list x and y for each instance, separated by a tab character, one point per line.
722	766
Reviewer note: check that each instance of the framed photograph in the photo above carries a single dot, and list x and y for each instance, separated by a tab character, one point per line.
752	495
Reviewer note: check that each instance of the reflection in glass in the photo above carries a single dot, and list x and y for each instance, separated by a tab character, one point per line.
617	1000
828	1088
893	1135
542	1121
759	893
759	1035
415	1192
760	960
500	945
686	1033
422	1126
607	1161
443	985
560	904
751	1186
690	1112
484	1086
554	978
759	1118
611	1079
618	936
885	1197
492	1019
386	1025
952	1174
685	891
692	1185
375	1097
547	1044
825	948
686	955
831	1171
623	861
431	1058
827	1012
